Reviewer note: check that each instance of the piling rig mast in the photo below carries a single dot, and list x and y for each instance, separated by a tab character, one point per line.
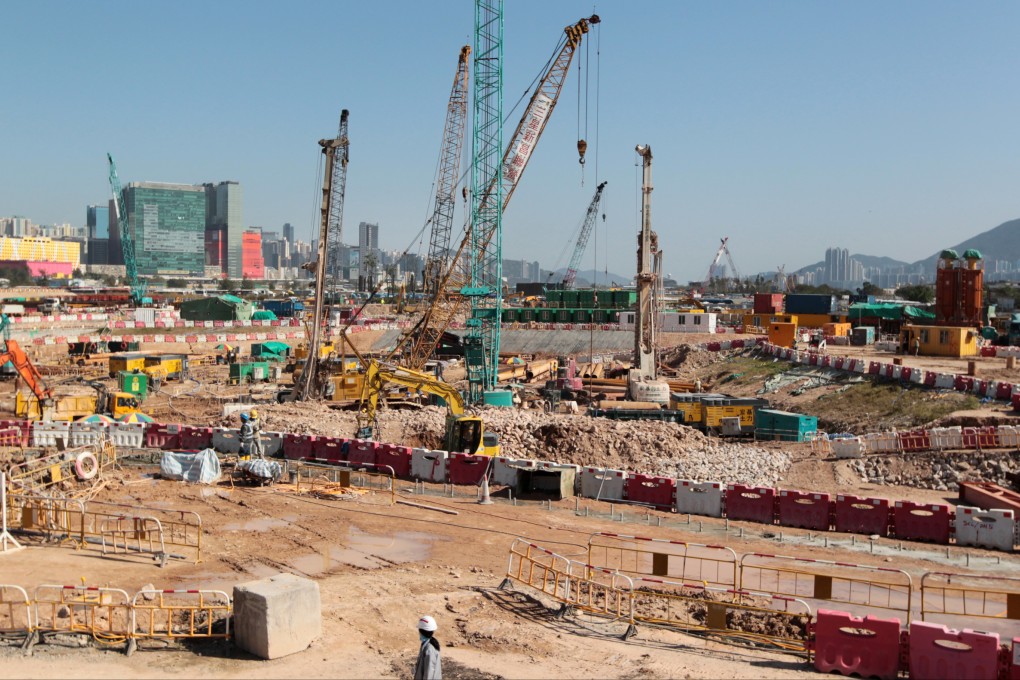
338	188
582	238
127	239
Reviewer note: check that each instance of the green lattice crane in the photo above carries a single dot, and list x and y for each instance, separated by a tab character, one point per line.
127	240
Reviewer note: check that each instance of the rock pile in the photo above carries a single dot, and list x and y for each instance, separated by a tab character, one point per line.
650	447
940	471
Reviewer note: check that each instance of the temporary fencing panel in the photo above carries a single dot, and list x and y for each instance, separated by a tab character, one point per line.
396	457
880	442
867	647
24	427
466	468
699	498
640	556
828	582
947	438
429	466
15	611
130	534
995	529
176	614
980	438
848	448
995	600
920	522
754	504
940	652
99	612
603	484
504	470
47	434
804	510
128	435
914	440
651	490
330	449
226	440
362	451
196	438
1008	437
297	446
857	515
161	436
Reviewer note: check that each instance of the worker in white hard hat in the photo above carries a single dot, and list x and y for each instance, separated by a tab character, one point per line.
428	666
256	431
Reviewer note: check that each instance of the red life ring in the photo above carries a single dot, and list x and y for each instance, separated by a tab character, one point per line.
86	466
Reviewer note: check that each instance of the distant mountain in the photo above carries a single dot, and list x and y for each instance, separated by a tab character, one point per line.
585	277
866	260
1000	243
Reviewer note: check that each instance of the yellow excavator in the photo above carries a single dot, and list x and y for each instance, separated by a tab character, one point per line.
464	433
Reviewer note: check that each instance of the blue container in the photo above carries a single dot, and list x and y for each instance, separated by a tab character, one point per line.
810	304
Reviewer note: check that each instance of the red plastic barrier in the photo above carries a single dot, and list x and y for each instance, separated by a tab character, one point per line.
465	468
713	346
940	652
804	510
858	515
1015	400
1003	390
963	383
887	370
362	451
906	372
867	647
914	440
330	449
754	504
397	457
874	368
1014	666
988	351
980	437
812	359
196	438
930	377
737	344
297	446
657	491
160	436
839	362
24	428
920	522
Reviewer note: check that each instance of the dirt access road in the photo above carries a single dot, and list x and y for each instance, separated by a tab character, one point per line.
379	567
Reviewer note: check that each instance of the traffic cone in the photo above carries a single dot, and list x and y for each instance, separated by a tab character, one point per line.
485	500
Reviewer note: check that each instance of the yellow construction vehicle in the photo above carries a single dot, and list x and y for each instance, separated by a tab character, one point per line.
464	433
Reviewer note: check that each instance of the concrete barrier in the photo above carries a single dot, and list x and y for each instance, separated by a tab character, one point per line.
277	616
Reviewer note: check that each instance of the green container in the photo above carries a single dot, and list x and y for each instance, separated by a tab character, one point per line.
510	315
569	299
253	371
546	315
586	298
783	425
614	315
502	398
554	298
624	299
564	316
600	316
526	314
581	316
133	383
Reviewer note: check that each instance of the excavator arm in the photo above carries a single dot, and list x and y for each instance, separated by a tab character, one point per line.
26	369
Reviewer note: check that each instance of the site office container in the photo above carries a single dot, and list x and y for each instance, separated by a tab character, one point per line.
862	335
586	298
839	330
803	303
783	425
126	362
569	299
526	314
818	320
565	315
782	334
581	316
133	382
509	315
768	303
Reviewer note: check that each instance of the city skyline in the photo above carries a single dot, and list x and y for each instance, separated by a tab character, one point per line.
782	125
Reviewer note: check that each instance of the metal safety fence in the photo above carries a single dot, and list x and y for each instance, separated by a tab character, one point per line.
80	464
111	615
709	564
970	596
339	480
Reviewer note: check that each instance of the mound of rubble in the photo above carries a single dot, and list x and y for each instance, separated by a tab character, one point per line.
941	470
688	358
650	447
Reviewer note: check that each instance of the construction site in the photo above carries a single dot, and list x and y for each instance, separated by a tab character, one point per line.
625	482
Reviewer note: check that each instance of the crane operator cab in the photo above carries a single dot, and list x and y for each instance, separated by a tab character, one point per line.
467	434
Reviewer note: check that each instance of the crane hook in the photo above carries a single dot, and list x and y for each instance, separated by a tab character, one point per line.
582	146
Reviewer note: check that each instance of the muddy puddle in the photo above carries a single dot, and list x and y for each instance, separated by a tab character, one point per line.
368	551
259	524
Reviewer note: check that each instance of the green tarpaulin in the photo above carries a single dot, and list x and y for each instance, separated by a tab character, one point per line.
263	315
885	310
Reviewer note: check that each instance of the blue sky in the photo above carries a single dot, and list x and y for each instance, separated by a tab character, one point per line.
885	128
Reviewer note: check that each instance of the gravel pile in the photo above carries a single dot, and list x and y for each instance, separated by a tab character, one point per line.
940	471
651	447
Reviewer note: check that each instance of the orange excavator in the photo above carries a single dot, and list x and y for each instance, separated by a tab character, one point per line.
13	353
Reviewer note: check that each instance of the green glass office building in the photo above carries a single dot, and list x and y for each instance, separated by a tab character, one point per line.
168	224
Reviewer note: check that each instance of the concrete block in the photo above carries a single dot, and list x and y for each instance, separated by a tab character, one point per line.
276	616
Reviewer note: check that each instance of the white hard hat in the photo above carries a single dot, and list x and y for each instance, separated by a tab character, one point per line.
428	624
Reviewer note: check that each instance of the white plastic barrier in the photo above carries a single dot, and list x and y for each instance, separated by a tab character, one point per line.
994	529
878	442
1008	436
945	381
272	442
504	470
946	437
893	371
699	498
429	466
917	376
129	435
48	433
848	448
859	366
603	484
226	440
87	434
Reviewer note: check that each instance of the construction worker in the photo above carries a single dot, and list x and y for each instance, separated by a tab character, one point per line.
256	428
247	435
428	666
697	385
917	345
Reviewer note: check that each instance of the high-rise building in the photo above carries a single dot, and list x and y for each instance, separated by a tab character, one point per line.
288	233
224	202
97	220
253	266
368	242
167	222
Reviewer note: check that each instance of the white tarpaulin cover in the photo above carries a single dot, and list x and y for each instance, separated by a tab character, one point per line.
202	467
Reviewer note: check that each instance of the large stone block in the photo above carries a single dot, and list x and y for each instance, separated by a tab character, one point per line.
276	616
